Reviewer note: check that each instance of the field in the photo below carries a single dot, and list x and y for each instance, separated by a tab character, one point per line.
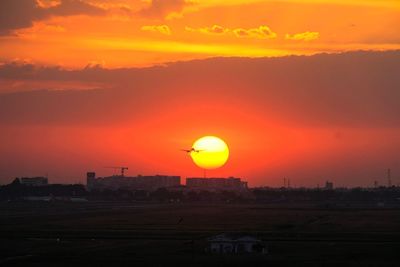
152	234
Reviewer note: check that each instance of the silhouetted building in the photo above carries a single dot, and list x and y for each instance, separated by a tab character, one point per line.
389	178
90	180
34	181
149	183
230	183
328	185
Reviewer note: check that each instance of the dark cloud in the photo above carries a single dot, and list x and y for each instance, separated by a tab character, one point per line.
161	8
351	89
17	14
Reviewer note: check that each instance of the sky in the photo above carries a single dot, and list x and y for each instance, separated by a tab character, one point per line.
137	33
301	89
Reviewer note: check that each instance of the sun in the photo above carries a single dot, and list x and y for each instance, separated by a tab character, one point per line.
210	152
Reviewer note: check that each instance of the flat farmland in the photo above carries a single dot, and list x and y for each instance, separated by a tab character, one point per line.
153	234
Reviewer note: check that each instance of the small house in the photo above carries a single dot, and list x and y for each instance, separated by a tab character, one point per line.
235	244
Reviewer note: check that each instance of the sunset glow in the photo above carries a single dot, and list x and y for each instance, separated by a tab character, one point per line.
300	88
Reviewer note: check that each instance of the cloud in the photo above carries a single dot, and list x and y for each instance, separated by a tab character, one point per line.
262	32
215	29
54	28
162	8
164	29
304	90
304	36
48	3
17	14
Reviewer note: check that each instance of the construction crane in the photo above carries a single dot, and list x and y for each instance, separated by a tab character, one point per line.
119	168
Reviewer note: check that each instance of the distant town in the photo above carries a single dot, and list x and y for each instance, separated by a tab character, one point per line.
206	218
216	189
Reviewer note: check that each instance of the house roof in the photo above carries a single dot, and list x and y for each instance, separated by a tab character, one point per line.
233	238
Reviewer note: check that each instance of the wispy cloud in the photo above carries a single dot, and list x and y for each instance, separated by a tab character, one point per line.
163	8
215	29
164	29
262	32
304	36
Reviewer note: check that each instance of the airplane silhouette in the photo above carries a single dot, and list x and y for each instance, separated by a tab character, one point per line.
192	150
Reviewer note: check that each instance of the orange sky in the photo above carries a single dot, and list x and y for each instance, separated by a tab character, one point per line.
120	33
88	84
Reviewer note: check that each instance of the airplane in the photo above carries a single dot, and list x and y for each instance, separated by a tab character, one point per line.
192	150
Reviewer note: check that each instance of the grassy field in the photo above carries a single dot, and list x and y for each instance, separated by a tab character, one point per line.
137	234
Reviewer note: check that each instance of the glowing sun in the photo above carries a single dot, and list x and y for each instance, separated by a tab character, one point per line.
210	152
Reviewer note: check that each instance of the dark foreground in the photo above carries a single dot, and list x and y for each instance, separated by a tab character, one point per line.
132	234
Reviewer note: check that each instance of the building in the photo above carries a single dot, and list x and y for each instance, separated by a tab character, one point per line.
231	183
328	185
90	180
236	244
148	183
34	181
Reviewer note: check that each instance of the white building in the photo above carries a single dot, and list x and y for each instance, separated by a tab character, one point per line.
236	244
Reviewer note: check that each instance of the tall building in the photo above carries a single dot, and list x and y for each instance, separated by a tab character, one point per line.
230	183
34	181
90	180
328	185
149	183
